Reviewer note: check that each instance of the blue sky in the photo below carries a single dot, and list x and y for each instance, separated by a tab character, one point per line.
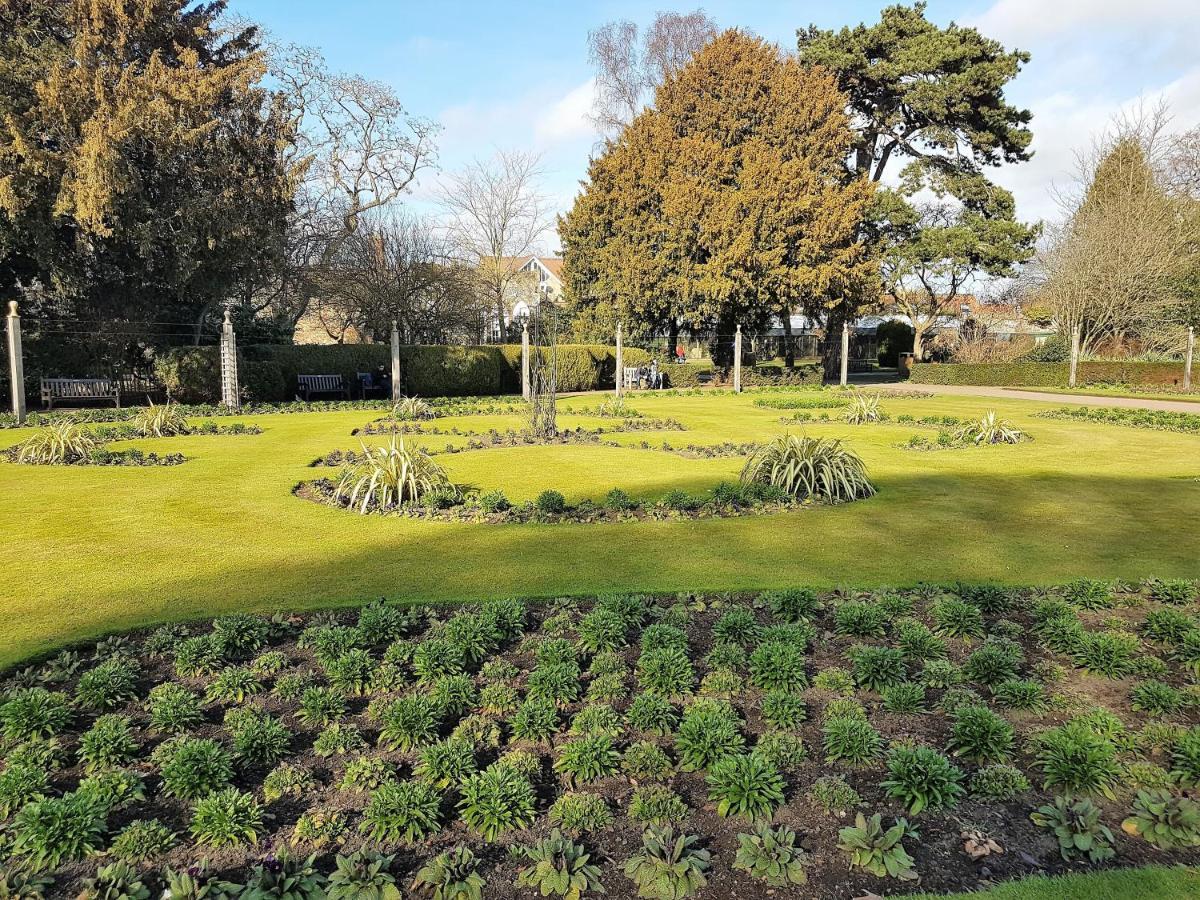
516	75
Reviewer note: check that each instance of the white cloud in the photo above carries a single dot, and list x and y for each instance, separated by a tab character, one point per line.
1018	21
567	118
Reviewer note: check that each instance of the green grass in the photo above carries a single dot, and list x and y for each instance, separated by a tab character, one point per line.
1149	883
1120	392
91	550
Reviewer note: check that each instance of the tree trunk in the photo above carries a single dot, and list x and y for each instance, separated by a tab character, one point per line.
672	338
789	350
918	343
831	348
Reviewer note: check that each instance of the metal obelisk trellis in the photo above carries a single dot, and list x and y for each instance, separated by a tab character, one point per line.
845	373
543	370
395	362
737	360
16	365
525	387
1187	359
620	374
230	395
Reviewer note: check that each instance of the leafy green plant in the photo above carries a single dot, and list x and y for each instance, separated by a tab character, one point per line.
108	743
1166	821
57	444
736	626
496	800
667	671
453	695
200	655
579	812
745	785
234	685
19	784
259	739
402	811
1156	698
863	409
651	713
50	831
860	619
876	850
1077	825
499	699
112	789
905	697
709	731
559	868
791	604
1185	758
557	682
956	618
226	818
770	855
339	739
851	740
391	476
597	718
366	773
108	685
173	708
587	759
834	679
550	502
287	876
783	709
362	875
1088	594
1113	654
877	667
657	805
917	642
776	665
320	706
195	883
352	673
809	468
142	840
994	662
116	880
833	794
980	735
998	783
240	635
783	749
1076	760
923	779
446	763
452	875
288	780
412	409
408	722
193	767
319	827
670	867
1022	693
535	720
989	429
1168	626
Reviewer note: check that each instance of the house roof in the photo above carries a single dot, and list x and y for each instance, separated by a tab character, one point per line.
552	264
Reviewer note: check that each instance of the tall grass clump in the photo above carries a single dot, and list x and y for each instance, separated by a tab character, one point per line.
58	444
160	421
392	476
806	467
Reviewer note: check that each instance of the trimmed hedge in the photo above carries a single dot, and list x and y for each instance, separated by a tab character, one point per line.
1035	374
688	375
268	371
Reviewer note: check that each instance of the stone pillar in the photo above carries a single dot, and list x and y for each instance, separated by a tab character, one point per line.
525	389
16	364
845	376
1187	358
230	395
737	360
1075	340
620	375
395	362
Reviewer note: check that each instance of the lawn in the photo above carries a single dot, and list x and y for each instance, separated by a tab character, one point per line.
90	550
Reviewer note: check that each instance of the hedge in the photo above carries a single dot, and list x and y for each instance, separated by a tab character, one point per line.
1035	374
268	371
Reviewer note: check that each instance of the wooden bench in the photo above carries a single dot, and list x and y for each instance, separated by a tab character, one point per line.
629	378
87	390
307	385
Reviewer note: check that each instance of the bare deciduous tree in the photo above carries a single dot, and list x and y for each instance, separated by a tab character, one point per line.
496	214
629	70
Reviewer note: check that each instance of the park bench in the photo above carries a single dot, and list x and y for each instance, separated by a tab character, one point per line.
629	378
87	390
307	385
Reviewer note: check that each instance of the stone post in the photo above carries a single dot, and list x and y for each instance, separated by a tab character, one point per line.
395	362
1075	339
620	364
845	375
16	364
230	395
737	360
525	390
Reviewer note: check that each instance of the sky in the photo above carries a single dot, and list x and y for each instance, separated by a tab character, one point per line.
515	76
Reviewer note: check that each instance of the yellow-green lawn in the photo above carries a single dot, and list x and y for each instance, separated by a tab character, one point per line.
89	550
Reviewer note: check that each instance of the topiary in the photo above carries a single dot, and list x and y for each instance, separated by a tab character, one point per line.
450	876
877	851
226	818
670	867
745	785
1164	820
496	800
922	778
579	812
1077	825
770	855
560	868
402	811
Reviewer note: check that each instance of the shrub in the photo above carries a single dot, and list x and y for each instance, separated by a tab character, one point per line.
402	811
1022	693
557	651
646	761
736	626
877	667
850	740
923	778
560	868
980	735
657	805
363	875
259	739
906	697
619	500
391	476
770	855
1075	760
408	722
783	749
57	444
226	818
142	840
233	685
775	665
745	785
550	503
352	672
108	685
859	619
107	743
709	731
783	709
833	794
601	630
652	714
193	767
1077	825
1185	758
667	672
957	618
287	780
50	831
1156	698
863	409
809	468
998	783
173	708
536	720
670	867
557	682
877	851
579	813
452	875
496	800
598	718
1110	653
791	604
587	759
1164	820
412	409
366	773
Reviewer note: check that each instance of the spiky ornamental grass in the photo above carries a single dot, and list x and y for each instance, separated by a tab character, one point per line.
391	476
59	444
160	421
810	468
989	429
